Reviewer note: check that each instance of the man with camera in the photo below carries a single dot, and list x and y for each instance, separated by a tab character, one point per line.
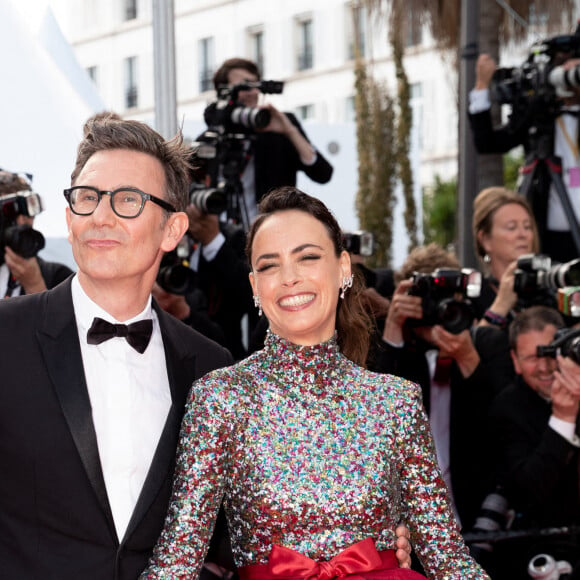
459	368
21	270
534	433
545	102
273	153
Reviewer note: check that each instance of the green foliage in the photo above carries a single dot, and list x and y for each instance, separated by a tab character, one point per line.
439	213
511	166
376	163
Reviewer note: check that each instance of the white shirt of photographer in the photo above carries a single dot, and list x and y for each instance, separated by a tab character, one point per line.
565	147
130	400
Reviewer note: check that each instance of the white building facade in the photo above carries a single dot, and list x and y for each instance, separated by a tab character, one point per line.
308	45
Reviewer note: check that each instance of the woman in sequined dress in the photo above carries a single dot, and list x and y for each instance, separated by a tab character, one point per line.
316	458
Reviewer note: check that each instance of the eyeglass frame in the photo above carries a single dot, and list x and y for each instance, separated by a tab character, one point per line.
100	192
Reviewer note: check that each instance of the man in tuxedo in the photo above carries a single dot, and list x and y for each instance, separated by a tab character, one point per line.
533	424
94	375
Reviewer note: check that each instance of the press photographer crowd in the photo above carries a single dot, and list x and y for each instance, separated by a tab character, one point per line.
495	350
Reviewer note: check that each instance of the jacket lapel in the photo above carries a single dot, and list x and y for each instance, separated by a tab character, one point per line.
180	361
58	337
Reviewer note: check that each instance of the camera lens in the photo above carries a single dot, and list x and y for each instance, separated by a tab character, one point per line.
250	117
176	279
454	316
209	200
25	241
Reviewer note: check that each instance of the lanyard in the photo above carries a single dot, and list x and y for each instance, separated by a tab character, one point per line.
571	143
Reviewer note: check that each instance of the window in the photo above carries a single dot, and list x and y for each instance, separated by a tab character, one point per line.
356	30
206	60
305	44
305	112
130	9
131	87
413	29
256	47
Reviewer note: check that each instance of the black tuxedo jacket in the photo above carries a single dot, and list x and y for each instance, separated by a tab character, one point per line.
55	518
537	467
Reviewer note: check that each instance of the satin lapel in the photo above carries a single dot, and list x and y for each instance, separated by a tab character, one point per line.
58	337
181	372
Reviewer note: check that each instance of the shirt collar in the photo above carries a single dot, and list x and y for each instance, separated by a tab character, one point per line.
86	309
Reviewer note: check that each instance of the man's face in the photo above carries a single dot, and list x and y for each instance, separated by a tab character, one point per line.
247	98
537	372
107	247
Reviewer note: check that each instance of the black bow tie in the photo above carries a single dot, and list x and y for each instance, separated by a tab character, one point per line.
137	334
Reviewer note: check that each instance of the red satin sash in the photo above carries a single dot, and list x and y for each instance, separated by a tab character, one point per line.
357	562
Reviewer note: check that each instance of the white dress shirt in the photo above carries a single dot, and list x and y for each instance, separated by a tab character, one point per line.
130	400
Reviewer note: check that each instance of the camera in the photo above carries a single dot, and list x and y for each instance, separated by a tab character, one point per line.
536	279
533	88
545	567
359	243
174	274
24	240
494	515
445	297
208	199
228	114
566	342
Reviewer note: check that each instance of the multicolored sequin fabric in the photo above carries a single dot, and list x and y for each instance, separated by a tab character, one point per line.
311	452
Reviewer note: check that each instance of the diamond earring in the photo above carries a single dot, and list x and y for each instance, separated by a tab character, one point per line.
346	284
258	304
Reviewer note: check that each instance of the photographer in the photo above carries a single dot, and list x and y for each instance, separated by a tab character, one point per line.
459	371
21	270
537	450
217	257
544	120
273	154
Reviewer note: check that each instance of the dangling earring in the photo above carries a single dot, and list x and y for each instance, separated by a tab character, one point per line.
486	258
258	304
346	284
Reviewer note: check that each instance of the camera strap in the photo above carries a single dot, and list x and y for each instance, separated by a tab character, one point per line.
573	144
11	286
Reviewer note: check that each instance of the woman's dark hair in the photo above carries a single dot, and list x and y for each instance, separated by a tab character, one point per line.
353	324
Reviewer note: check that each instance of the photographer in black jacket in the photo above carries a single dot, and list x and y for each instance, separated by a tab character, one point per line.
544	97
275	153
21	270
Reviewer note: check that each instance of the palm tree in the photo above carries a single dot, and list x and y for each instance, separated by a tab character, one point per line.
501	22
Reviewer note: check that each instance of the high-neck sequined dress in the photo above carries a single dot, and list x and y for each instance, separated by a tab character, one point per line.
311	452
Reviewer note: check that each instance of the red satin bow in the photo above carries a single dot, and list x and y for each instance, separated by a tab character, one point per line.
356	559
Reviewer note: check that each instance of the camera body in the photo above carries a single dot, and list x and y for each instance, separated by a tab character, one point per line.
445	297
233	117
231	126
534	88
360	243
24	240
536	279
566	342
174	274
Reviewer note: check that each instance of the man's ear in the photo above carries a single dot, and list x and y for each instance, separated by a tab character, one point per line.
516	362
175	228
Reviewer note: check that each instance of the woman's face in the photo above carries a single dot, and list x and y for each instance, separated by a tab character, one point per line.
511	234
297	276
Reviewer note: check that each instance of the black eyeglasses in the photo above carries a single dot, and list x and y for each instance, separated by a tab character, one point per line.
126	202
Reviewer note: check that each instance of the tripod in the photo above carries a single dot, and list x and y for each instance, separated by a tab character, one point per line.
542	161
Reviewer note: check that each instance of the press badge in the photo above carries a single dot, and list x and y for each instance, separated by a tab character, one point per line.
574	176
